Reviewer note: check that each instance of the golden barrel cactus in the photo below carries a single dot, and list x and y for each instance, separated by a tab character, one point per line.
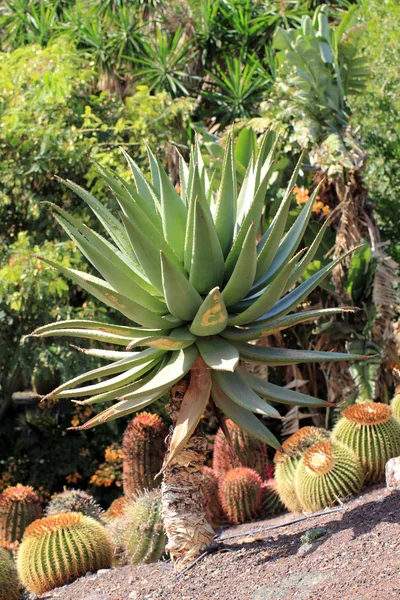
9	585
373	433
19	506
287	460
327	473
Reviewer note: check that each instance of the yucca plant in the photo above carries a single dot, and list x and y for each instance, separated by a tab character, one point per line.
187	269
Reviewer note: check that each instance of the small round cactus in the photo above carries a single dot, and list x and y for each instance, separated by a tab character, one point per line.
143	539
212	504
247	451
327	473
287	460
57	550
143	447
395	404
116	508
74	501
240	495
271	503
19	506
373	433
9	585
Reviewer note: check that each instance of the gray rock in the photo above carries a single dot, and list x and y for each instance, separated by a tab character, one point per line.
392	471
103	571
302	583
133	595
306	548
97	597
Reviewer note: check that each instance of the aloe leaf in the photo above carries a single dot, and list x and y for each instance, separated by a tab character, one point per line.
243	418
182	299
289	244
173	213
87	334
178	339
270	241
217	353
180	363
280	357
120	330
226	200
110	355
266	301
239	391
212	317
189	234
253	333
155	172
103	291
300	293
207	264
282	395
120	391
243	274
142	185
183	177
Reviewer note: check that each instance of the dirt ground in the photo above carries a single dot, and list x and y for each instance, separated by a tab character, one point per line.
358	558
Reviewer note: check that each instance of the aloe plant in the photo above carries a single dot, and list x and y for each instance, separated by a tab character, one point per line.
198	285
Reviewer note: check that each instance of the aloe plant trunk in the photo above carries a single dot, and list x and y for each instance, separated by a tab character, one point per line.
187	529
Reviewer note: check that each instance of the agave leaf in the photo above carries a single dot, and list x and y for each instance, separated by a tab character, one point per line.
207	264
182	299
270	241
243	274
179	364
282	395
178	339
267	300
110	223
239	391
174	214
128	362
127	376
226	200
103	291
254	333
106	260
242	417
300	293
211	318
192	408
120	330
289	243
218	354
279	357
142	185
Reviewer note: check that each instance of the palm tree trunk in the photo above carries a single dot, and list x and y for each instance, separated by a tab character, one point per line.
187	529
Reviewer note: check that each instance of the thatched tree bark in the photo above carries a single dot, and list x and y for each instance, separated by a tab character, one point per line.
185	523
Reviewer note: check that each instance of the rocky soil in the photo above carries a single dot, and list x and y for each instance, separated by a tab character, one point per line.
355	557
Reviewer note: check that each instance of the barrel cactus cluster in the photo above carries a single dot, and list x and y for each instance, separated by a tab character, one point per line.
9	584
74	501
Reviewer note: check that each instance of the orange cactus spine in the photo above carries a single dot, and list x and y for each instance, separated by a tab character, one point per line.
9	585
214	512
247	451
143	447
240	495
19	506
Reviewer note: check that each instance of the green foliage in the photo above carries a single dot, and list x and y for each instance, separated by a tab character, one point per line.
242	449
74	501
240	494
143	447
144	538
57	550
372	432
9	585
19	506
327	473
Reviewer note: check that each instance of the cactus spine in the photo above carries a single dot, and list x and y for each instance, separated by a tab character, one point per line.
247	451
143	447
144	537
326	473
271	502
287	460
372	432
19	506
214	512
74	501
240	494
9	586
57	550
116	508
